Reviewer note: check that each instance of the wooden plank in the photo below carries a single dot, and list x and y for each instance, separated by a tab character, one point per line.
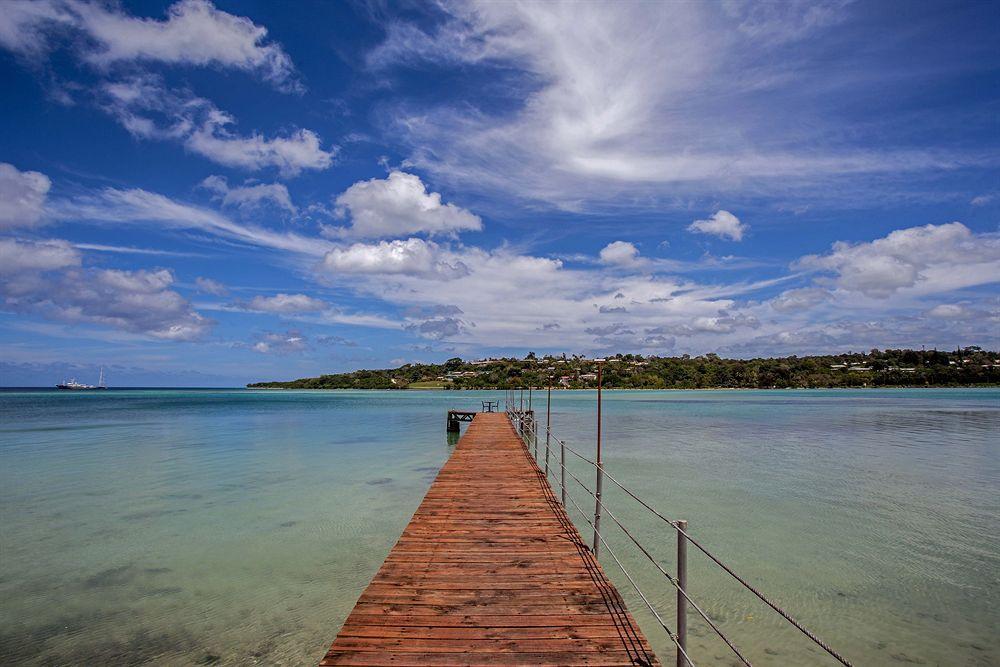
490	571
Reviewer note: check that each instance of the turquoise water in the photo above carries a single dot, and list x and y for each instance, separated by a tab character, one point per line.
239	527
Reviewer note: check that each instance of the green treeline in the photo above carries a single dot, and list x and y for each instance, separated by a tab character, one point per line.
878	368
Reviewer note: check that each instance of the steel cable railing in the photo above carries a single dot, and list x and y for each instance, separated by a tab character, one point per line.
673	580
649	605
525	422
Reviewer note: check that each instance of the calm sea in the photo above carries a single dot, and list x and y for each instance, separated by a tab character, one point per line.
239	527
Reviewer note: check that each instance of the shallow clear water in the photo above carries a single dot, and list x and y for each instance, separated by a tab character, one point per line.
239	527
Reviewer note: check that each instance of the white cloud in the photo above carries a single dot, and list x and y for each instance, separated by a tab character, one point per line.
112	205
250	197
723	224
516	298
594	122
798	300
400	205
724	322
982	200
922	260
22	197
950	311
209	286
24	23
406	257
280	343
291	154
287	304
18	257
193	33
778	22
619	253
46	278
149	110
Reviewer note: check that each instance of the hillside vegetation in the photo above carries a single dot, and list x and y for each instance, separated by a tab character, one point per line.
878	368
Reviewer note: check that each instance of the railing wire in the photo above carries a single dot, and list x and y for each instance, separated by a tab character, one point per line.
523	422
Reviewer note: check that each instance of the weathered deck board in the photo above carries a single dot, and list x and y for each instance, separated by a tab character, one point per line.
490	571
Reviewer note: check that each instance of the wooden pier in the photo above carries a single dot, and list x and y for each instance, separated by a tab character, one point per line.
490	571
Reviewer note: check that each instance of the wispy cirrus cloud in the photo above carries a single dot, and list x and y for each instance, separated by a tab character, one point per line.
136	206
688	107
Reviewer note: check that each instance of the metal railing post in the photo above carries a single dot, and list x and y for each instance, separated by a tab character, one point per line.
548	426
600	468
682	569
562	465
534	434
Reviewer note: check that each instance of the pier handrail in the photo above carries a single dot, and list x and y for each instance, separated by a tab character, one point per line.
526	426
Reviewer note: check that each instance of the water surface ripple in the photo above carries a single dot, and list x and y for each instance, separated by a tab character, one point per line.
237	527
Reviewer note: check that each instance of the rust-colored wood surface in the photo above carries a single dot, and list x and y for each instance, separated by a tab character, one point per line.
490	571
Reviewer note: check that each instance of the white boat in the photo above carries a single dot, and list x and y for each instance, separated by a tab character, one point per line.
73	385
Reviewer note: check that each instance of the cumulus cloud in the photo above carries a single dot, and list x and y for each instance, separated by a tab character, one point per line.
724	322
287	304
194	32
18	257
438	328
796	300
22	197
619	253
521	299
251	196
723	224
400	205
609	330
148	110
927	259
46	278
404	257
209	286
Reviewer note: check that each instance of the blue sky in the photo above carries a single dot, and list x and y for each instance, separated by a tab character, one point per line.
210	194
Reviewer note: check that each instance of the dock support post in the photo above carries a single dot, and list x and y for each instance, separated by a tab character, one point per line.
600	468
548	426
681	586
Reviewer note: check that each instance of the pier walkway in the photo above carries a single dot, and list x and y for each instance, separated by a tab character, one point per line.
490	571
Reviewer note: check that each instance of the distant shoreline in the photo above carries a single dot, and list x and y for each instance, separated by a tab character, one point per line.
630	389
